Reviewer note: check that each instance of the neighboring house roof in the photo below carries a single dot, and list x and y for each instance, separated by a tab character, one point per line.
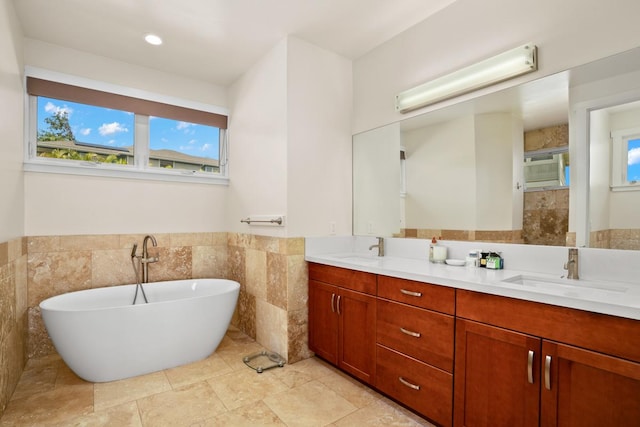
169	155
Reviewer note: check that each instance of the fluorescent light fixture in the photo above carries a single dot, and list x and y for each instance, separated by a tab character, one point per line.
153	39
504	66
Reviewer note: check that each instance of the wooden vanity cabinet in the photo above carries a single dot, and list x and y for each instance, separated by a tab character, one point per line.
521	363
342	319
415	340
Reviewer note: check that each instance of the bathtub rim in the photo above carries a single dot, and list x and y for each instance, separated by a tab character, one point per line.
46	303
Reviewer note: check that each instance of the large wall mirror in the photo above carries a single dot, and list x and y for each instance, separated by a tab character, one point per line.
523	165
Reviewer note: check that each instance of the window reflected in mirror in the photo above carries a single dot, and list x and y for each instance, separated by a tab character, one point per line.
547	169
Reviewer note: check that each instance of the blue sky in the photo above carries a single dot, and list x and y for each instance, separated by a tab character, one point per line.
114	128
633	166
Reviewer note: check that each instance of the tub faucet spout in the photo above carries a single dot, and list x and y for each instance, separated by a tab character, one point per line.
146	260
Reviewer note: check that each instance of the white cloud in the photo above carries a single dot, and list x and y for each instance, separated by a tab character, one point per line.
205	147
634	156
183	125
193	141
51	108
111	128
85	131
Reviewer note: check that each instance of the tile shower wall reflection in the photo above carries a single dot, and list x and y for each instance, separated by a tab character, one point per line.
13	316
271	271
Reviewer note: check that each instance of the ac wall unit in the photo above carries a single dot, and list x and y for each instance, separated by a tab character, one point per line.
544	171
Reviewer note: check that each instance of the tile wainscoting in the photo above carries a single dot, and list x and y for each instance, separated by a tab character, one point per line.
13	316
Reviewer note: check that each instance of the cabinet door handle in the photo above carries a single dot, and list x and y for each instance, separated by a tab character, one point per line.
408	332
408	384
547	372
530	366
411	293
333	306
338	303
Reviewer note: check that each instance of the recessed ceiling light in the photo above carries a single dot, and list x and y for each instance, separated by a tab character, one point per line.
153	39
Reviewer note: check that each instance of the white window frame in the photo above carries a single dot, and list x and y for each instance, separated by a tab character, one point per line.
620	157
140	170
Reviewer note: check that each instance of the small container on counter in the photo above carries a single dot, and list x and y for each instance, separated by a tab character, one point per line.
472	259
495	261
437	253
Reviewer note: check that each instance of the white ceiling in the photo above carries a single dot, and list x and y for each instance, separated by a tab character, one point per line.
216	40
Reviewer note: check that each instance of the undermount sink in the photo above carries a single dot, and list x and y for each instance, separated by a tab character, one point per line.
566	287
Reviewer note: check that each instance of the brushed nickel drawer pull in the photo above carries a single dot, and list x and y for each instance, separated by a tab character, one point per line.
333	300
413	334
530	366
408	384
411	293
547	372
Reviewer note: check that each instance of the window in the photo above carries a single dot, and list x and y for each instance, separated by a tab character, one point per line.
546	169
176	144
78	130
625	159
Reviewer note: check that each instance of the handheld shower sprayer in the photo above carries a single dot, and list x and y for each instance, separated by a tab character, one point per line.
134	250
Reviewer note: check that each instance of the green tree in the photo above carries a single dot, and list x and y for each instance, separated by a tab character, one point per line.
58	129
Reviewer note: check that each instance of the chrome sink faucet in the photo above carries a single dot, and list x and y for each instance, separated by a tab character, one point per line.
380	246
146	260
572	264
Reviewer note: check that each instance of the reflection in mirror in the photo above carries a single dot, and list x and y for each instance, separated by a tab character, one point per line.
614	175
548	169
459	176
376	182
546	197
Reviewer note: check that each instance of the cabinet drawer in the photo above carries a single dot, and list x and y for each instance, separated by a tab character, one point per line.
612	335
425	295
358	281
425	389
422	334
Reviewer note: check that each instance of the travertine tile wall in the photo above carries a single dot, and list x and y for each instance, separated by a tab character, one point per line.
546	217
615	239
497	236
271	271
546	213
13	316
272	306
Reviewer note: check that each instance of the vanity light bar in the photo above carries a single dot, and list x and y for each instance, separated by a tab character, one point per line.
504	66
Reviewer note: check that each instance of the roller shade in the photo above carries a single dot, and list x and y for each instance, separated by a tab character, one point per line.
65	92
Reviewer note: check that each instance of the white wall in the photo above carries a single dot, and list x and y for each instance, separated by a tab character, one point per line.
64	205
625	205
11	126
441	170
319	94
567	33
497	135
377	182
291	142
258	143
599	170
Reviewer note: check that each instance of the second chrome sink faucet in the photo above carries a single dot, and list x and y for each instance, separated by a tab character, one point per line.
572	264
380	246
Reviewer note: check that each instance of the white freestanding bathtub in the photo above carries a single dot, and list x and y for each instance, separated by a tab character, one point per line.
102	337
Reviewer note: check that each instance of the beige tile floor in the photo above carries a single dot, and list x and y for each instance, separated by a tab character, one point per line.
218	391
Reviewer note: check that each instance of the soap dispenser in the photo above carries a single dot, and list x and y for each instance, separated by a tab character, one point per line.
432	245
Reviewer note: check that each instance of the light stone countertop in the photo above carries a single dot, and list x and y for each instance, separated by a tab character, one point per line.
606	297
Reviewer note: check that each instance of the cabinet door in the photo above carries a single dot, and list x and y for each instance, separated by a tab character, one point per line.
496	377
584	388
323	320
357	337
